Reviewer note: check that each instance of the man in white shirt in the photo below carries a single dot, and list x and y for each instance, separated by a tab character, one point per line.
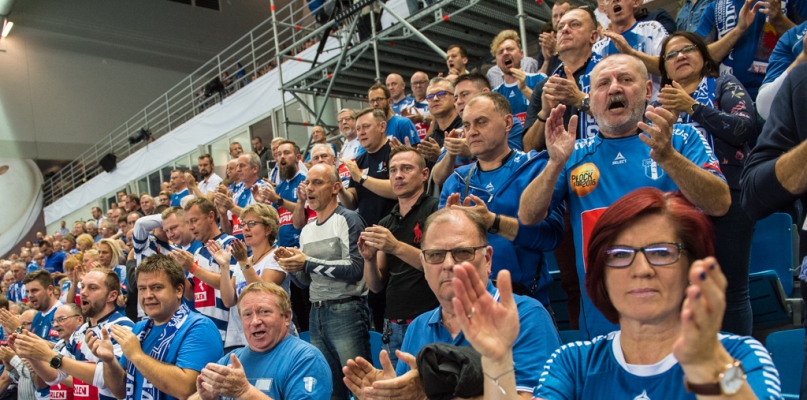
347	127
210	180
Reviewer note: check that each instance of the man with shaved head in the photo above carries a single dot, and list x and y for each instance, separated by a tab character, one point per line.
592	173
397	90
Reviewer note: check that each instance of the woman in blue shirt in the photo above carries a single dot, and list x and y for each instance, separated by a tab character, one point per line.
650	270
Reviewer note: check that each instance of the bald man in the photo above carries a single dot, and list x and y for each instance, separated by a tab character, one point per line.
397	90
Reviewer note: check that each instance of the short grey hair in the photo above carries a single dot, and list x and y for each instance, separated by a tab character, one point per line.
440	79
325	146
254	160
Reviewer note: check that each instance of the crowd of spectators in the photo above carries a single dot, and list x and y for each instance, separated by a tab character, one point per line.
431	224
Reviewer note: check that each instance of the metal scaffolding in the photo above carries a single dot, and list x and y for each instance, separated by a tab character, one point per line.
413	44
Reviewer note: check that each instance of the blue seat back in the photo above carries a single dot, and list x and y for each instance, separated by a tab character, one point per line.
767	299
376	345
772	248
787	352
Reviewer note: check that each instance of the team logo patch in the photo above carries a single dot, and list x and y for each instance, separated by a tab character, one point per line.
264	385
642	396
418	233
652	170
620	159
584	179
310	382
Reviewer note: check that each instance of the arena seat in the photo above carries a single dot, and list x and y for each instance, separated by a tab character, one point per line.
774	252
787	354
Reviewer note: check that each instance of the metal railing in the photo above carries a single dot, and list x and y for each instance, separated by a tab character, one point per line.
247	58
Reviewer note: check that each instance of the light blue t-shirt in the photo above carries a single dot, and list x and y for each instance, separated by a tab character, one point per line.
293	370
537	338
589	370
194	345
402	128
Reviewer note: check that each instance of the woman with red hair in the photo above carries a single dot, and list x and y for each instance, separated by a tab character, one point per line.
650	269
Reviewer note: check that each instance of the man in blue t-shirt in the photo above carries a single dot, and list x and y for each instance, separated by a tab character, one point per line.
53	259
590	174
274	364
517	85
41	297
493	183
398	127
163	355
179	186
451	236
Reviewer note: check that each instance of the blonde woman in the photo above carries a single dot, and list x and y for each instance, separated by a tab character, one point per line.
260	222
84	242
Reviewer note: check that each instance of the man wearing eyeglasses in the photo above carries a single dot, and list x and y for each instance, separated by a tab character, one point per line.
418	111
440	95
71	357
452	236
490	187
627	154
347	127
397	127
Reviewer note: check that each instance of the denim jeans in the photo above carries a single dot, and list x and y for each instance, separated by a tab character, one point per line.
396	334
734	233
341	332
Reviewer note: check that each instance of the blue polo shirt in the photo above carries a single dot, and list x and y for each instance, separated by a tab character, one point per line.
54	263
537	338
293	369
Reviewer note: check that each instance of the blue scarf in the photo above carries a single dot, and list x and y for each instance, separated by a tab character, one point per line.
587	126
158	353
726	19
705	95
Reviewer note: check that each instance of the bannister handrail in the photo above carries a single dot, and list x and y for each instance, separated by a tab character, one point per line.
254	51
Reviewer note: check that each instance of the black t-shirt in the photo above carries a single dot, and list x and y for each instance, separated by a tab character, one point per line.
439	135
373	207
408	293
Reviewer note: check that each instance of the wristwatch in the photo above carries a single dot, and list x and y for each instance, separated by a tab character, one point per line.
246	267
494	229
280	202
692	109
729	382
363	178
585	105
56	361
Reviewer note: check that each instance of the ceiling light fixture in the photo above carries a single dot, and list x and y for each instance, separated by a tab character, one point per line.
7	28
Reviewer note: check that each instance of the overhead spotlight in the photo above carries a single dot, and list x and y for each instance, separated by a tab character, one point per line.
7	28
141	135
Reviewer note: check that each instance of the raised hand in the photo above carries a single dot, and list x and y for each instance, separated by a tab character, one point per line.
360	374
659	135
102	347
456	145
225	381
620	43
380	238
559	141
31	346
429	149
520	76
222	256
675	99
293	263
406	386
478	206
563	90
491	327
239	250
184	258
367	252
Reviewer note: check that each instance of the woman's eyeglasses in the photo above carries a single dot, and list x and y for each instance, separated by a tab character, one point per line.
657	254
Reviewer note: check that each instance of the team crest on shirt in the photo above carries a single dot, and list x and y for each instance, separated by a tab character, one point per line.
264	385
642	396
584	179
310	382
652	170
